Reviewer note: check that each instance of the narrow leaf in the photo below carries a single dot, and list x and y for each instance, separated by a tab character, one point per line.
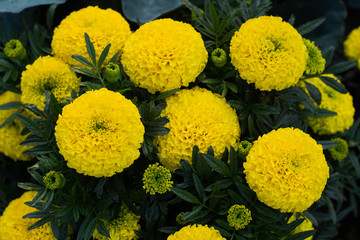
90	49
331	82
83	60
340	67
314	92
103	55
10	105
217	165
310	26
199	187
185	195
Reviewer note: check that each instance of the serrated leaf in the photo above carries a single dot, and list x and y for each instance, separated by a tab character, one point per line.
33	108
333	83
103	55
90	48
310	26
185	195
314	92
217	165
340	67
83	60
30	124
39	223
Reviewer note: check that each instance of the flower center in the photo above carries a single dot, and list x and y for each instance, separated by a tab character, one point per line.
99	125
275	45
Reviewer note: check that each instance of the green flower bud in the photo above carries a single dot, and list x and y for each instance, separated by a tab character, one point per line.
315	63
239	216
178	219
340	151
244	148
15	49
218	57
54	180
157	179
112	72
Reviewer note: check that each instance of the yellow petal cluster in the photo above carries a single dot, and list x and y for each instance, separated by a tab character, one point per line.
99	133
334	101
102	26
14	227
122	227
287	170
10	134
315	63
352	46
269	53
164	54
200	118
196	232
47	74
306	225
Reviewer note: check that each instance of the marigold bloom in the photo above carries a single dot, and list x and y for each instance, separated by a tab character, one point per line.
196	232
14	227
306	225
340	151
164	54
122	227
352	46
334	101
239	216
287	170
102	26
315	63
47	74
218	57
200	118
54	180
10	134
99	133
15	49
268	52
157	179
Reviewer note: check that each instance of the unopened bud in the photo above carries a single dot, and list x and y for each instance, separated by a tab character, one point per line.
218	57
54	180
112	72
15	49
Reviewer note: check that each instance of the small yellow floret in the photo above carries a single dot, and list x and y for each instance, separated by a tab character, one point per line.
102	26
200	118
352	46
47	74
239	216
10	134
334	101
287	170
157	179
164	54
268	52
196	232
99	133
14	227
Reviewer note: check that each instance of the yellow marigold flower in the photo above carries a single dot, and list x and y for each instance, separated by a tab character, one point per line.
47	74
335	101
340	151
102	26
196	232
268	52
218	57
164	54
239	216
352	46
200	118
15	49
99	133
14	227
306	225
54	180
157	179
10	135
315	63
287	170
122	227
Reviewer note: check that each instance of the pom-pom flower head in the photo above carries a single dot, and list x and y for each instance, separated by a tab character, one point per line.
287	170
334	101
200	118
196	232
122	227
239	216
315	63
47	74
157	179
164	54
268	52
10	134
99	133
14	227
352	46
102	26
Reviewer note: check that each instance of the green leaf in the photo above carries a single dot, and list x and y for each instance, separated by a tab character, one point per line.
100	226
166	94
38	150
328	55
33	108
39	223
114	58
326	144
314	92
84	71
30	124
83	60
90	49
91	85
10	105
332	211
237	104
185	195
103	55
50	16
263	109
232	87
199	187
11	118
188	216
234	161
312	219
30	186
331	82
86	229
355	162
301	235
156	131
48	199
211	81
217	165
320	112
310	26
340	67
37	214
100	187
